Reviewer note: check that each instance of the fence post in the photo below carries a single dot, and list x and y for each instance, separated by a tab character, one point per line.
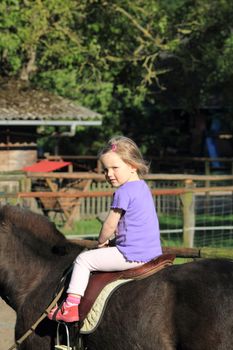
188	208
207	171
99	167
26	186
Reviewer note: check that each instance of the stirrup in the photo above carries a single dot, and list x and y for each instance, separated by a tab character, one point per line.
58	346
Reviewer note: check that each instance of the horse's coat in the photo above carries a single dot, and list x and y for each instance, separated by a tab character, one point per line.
183	307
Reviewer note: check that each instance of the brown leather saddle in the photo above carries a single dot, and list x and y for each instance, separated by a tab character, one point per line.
99	280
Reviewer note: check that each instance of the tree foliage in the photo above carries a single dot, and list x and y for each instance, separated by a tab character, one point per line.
132	61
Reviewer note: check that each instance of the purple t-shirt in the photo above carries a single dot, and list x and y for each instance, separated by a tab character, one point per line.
138	236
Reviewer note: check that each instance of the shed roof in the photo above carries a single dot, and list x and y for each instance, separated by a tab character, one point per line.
22	104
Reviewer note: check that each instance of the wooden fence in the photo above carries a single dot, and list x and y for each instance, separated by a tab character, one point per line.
73	196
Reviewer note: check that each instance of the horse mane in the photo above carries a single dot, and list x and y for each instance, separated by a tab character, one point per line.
37	224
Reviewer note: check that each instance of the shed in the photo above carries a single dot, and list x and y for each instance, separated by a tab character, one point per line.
22	109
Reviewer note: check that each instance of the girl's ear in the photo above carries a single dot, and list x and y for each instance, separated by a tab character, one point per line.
133	169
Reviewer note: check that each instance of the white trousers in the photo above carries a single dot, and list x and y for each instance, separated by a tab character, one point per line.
101	259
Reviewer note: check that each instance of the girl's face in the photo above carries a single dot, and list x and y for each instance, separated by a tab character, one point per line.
116	171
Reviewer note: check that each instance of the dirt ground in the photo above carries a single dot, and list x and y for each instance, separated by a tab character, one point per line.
7	324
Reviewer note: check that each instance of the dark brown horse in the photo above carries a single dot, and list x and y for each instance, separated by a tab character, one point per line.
183	307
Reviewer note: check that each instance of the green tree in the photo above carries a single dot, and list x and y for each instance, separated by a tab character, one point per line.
133	61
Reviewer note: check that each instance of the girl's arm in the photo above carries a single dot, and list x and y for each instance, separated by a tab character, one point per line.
109	226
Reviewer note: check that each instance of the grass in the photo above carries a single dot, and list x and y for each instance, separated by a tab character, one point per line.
90	228
85	228
171	221
220	219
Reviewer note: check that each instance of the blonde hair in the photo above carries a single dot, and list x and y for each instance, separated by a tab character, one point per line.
128	151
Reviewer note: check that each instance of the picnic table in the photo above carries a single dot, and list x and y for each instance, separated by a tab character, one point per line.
68	208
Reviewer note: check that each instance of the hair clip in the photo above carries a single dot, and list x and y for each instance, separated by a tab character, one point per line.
114	147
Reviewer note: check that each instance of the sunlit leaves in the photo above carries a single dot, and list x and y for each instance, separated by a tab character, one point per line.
119	56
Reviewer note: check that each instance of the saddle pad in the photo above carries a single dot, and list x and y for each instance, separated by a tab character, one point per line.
94	316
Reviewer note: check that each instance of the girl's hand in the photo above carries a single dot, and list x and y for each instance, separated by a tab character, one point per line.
102	245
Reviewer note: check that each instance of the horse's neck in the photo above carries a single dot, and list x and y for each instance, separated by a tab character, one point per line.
21	280
19	277
22	273
27	258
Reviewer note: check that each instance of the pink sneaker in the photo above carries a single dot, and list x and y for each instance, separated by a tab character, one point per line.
65	313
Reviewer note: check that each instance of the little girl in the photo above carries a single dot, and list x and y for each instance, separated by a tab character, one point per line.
132	219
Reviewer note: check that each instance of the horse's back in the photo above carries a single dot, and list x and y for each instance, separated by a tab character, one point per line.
184	307
203	304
